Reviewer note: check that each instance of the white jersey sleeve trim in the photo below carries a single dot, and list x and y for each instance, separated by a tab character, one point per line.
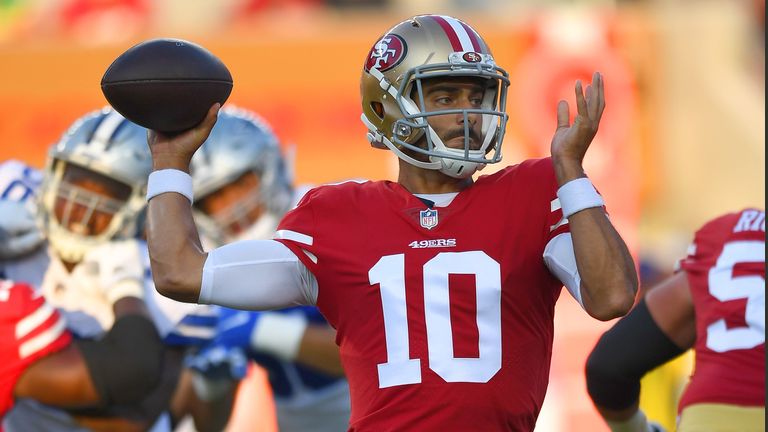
42	340
561	261
295	236
256	275
554	206
33	320
310	255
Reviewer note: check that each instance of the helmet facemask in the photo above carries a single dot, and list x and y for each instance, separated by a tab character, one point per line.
236	211
83	209
478	149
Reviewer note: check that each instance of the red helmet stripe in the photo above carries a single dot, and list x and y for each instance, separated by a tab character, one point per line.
473	37
449	31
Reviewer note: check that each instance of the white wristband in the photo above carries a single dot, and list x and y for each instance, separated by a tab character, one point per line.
279	334
169	180
577	195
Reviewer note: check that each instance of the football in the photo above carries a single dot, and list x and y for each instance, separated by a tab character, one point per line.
166	84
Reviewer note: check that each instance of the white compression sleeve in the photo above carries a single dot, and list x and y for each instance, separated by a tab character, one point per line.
256	275
561	261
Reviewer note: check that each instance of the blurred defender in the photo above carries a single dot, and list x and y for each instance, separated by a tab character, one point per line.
715	304
91	208
40	360
244	188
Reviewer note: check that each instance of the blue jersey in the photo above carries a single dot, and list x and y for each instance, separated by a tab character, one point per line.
289	379
306	399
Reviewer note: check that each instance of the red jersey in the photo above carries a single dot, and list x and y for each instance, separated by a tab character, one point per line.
29	329
726	274
444	315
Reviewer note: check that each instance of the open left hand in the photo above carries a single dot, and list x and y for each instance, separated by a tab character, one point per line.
216	361
571	141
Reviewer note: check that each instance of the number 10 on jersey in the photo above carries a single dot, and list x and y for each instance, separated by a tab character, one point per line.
400	369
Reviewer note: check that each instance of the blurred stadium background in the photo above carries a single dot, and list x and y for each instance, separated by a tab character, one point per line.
682	140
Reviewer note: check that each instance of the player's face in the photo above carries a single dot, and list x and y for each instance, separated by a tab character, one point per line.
455	93
236	206
86	201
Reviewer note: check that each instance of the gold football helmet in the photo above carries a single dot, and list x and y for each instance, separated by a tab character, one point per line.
421	48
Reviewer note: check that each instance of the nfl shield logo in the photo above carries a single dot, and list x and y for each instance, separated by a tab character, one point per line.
428	218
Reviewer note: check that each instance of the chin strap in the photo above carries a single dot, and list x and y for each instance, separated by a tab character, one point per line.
459	169
454	167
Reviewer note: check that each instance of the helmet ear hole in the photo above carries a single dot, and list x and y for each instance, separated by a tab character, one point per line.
378	109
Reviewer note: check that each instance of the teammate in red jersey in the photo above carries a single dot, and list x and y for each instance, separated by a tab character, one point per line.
715	304
29	330
441	288
40	361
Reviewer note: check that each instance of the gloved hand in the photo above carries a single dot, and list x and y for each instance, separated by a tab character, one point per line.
216	362
120	269
225	355
235	327
19	233
277	333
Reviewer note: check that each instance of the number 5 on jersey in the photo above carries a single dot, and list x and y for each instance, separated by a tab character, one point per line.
725	286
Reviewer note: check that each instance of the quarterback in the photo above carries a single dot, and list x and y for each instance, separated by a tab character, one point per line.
441	288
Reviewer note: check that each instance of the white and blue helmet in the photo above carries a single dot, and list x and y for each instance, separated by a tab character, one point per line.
241	142
106	146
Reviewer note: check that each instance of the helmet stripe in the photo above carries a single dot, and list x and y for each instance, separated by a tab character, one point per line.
99	118
449	31
473	37
106	129
458	31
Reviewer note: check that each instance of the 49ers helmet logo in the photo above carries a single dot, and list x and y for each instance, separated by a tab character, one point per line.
387	53
472	57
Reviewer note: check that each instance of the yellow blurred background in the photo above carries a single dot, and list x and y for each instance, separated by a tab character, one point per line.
682	138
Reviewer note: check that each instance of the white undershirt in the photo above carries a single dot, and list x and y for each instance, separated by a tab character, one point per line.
258	275
265	274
